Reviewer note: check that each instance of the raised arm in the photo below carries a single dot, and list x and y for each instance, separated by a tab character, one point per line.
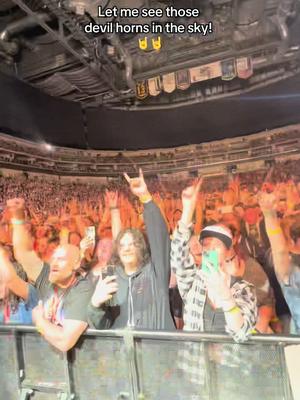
111	202
267	202
182	262
159	240
22	240
156	228
10	278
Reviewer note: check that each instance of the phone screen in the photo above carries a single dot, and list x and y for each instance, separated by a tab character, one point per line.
212	258
108	271
90	233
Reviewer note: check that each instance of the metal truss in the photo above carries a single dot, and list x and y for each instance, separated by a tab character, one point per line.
66	23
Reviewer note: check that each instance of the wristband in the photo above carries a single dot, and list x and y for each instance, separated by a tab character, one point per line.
233	310
15	221
113	208
40	330
274	232
145	198
276	319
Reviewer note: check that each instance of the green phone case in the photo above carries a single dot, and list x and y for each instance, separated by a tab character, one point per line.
212	258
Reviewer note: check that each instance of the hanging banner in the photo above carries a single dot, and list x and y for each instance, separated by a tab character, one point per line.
154	86
169	82
183	80
206	72
228	70
141	90
244	67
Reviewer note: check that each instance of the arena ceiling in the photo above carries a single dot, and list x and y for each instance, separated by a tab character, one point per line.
30	114
65	87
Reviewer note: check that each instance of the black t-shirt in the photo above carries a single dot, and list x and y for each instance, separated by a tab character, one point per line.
71	303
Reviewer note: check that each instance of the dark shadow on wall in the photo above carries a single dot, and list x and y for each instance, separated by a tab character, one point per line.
28	113
268	108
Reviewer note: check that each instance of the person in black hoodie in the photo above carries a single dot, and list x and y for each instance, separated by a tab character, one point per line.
137	295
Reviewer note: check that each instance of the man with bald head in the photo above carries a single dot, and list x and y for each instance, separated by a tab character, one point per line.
61	315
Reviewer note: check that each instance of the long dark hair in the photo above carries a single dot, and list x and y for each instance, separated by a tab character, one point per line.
140	244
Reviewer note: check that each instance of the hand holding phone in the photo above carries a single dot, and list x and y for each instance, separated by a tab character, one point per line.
90	234
108	271
104	292
217	281
210	260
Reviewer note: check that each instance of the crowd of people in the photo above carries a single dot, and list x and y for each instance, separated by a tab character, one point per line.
210	254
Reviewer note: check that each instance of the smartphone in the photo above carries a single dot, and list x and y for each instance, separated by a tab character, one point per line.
210	257
90	232
110	271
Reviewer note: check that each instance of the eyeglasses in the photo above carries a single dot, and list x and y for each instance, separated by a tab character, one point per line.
231	259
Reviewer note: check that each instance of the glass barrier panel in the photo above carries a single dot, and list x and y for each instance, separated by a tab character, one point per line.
44	366
209	371
165	373
100	370
9	389
246	372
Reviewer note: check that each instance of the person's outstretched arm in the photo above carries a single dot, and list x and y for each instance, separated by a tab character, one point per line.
22	240
182	261
10	278
111	202
157	231
280	252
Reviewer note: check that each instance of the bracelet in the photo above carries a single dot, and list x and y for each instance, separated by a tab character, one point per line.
15	221
233	310
145	198
113	208
275	231
276	319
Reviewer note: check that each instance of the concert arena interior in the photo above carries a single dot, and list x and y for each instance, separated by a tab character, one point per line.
149	199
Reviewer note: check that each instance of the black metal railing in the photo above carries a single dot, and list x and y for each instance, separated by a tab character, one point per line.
138	365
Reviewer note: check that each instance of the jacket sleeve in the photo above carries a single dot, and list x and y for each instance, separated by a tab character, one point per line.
245	298
182	262
99	317
159	241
